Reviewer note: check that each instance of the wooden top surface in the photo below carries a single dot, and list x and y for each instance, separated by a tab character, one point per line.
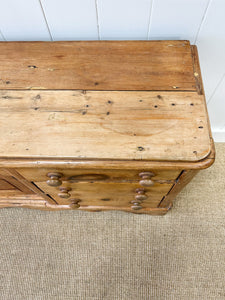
118	125
97	65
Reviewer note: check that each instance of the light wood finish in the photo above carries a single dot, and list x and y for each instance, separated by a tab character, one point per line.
99	175
31	186
108	164
5	185
36	203
101	125
197	70
8	182
94	65
104	194
184	179
152	126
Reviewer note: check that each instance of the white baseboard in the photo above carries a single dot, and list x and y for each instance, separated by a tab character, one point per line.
219	136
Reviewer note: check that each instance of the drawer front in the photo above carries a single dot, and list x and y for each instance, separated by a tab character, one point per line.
103	175
106	194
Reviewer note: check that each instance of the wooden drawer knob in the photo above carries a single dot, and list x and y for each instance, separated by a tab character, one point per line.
140	191
74	203
136	207
64	192
145	179
136	202
54	179
141	197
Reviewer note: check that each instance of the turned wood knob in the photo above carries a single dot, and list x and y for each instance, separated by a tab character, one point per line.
74	203
145	179
136	207
141	197
136	202
64	192
140	191
54	179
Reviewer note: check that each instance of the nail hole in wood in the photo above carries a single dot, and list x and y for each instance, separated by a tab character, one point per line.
141	148
156	106
200	127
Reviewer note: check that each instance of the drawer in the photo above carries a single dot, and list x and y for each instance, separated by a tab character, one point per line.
106	194
89	175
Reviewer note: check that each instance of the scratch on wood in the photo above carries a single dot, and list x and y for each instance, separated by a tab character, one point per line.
35	88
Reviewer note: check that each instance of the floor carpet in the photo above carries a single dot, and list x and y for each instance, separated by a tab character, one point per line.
116	255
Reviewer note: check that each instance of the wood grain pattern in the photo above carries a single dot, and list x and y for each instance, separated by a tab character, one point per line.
101	174
183	180
169	126
28	201
93	65
100	142
107	164
5	185
104	194
37	203
8	182
34	189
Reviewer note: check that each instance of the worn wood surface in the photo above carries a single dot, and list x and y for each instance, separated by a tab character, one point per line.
97	65
185	177
101	174
8	182
21	200
104	194
5	185
165	126
197	70
199	82
29	185
58	163
110	110
35	202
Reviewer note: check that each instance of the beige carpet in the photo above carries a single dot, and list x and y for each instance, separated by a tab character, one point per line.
116	255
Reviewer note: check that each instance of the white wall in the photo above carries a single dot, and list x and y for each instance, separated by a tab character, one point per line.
200	21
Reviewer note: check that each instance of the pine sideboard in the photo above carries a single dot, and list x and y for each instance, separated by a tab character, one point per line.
101	125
